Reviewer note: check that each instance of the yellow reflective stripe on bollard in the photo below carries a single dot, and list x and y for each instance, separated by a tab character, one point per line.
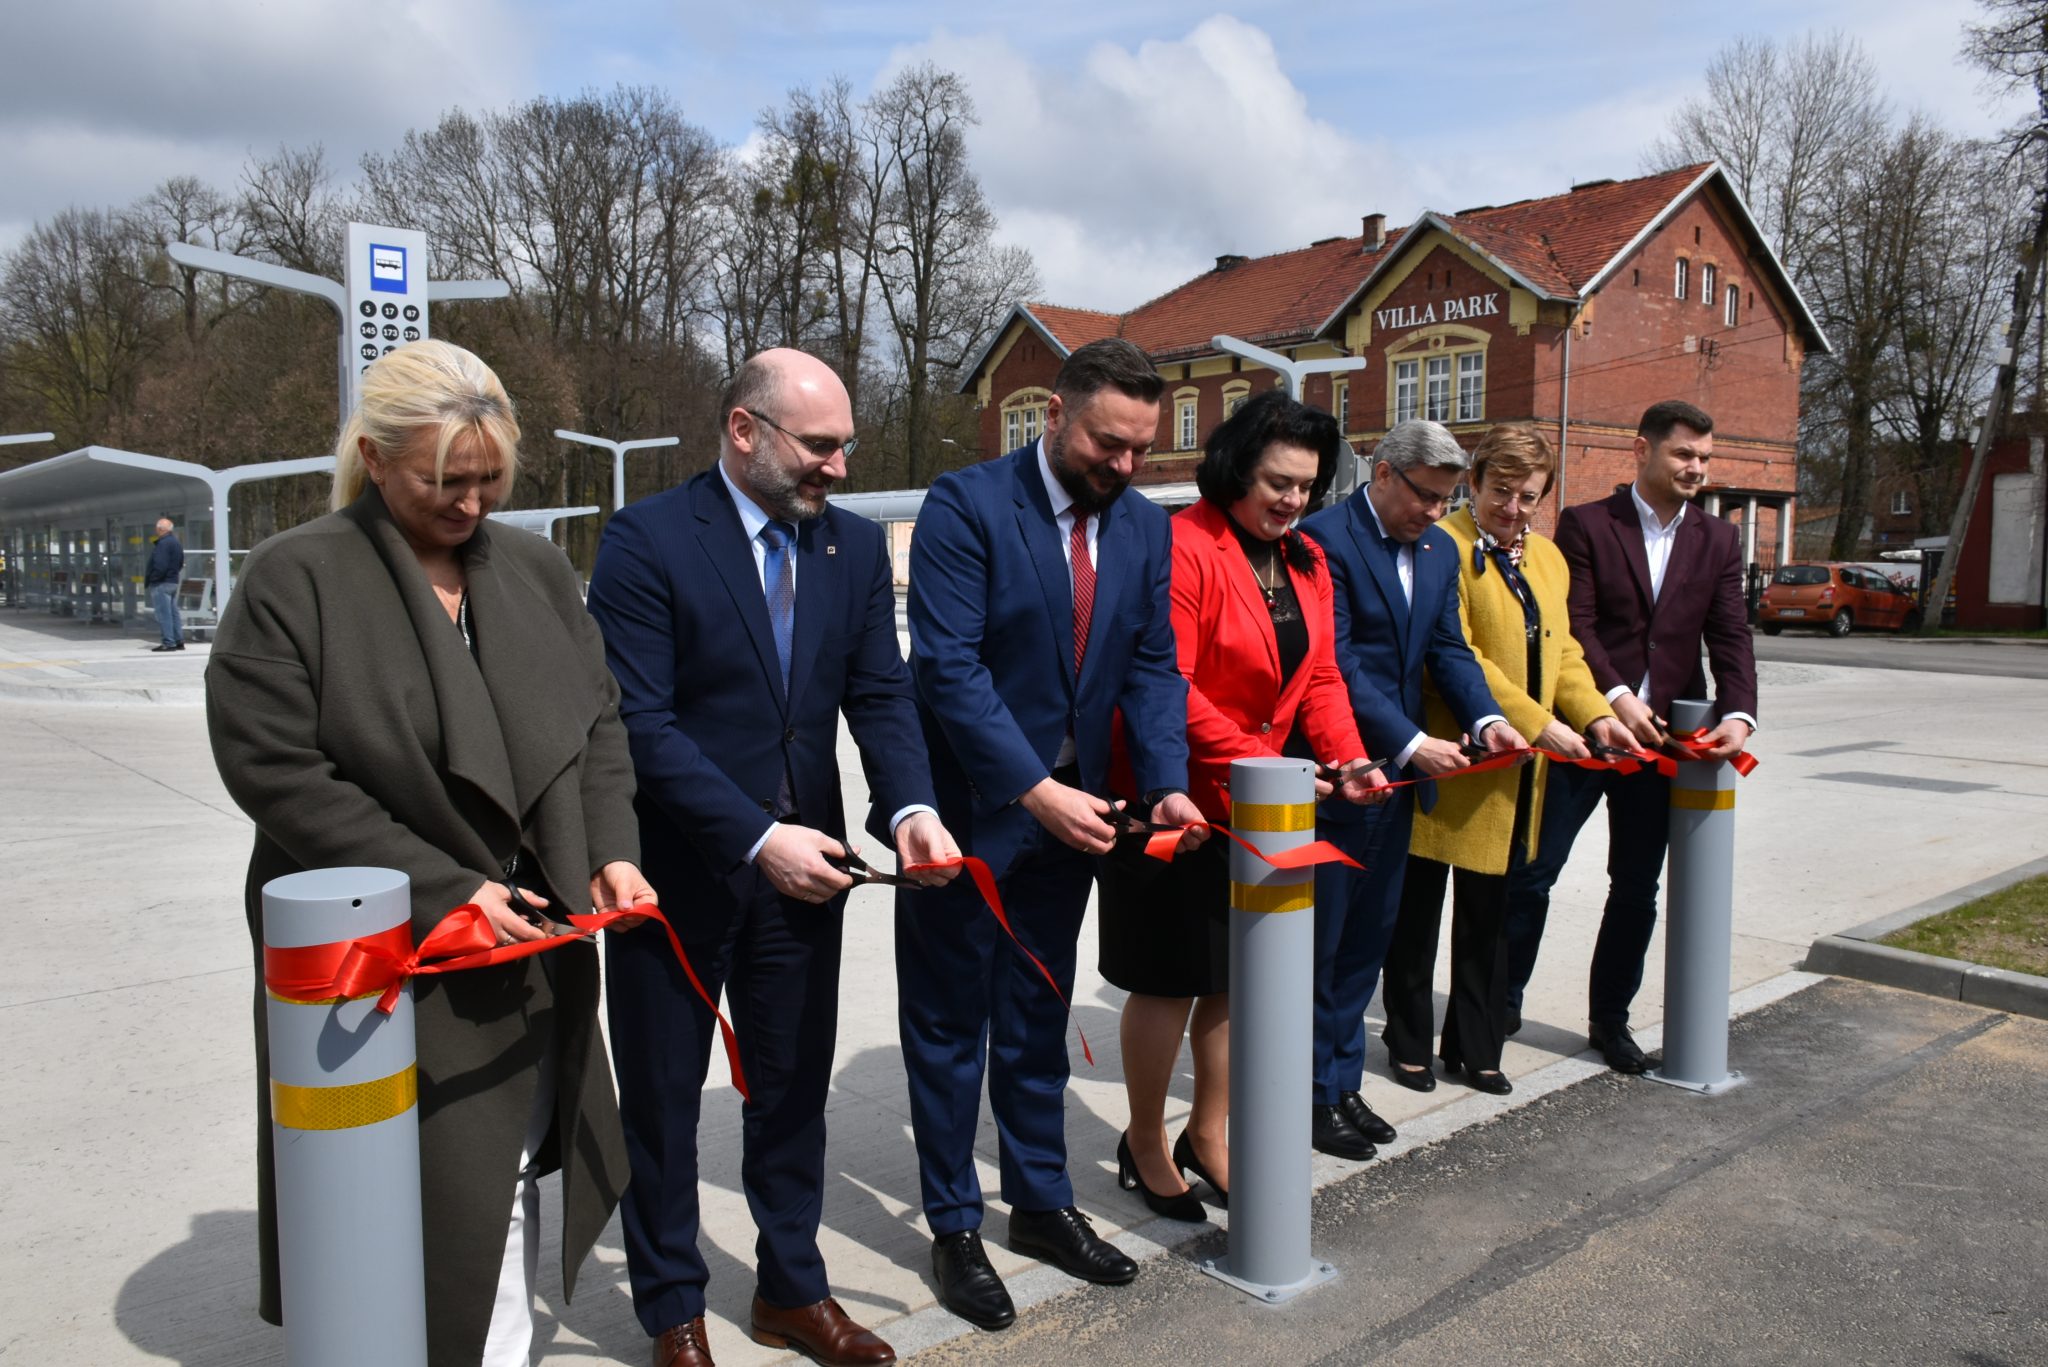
1272	896
344	1108
320	1001
1273	816
1703	799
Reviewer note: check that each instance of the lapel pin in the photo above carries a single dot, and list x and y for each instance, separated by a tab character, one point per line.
831	549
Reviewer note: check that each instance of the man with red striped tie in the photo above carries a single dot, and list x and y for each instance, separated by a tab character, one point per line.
1038	612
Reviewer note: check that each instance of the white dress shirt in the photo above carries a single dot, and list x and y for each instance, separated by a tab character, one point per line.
752	520
1063	516
1658	539
1404	568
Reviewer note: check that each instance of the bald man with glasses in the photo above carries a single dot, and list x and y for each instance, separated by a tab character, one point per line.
743	616
1396	584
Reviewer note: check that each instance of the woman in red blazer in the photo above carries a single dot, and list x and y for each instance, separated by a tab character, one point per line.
1252	625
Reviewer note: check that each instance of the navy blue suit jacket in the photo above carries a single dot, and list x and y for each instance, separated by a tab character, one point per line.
677	595
1384	642
991	649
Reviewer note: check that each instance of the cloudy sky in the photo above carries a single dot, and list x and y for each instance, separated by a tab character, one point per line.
1125	142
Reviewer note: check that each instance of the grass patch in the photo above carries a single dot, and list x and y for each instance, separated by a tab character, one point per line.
2007	929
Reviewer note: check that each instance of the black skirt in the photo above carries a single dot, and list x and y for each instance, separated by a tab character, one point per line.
1165	928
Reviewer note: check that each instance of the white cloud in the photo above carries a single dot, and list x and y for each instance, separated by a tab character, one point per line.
101	100
1132	171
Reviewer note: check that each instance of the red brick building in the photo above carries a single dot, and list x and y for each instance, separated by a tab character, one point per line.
1575	312
2002	578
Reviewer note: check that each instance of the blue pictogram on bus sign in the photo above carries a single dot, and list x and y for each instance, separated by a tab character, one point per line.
387	268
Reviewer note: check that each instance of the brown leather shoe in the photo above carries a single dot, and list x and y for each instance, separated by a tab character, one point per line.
821	1332
683	1345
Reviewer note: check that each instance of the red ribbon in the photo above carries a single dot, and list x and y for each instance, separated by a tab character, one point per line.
383	963
985	882
1693	746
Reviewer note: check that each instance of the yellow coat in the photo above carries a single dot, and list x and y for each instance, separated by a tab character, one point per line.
1474	819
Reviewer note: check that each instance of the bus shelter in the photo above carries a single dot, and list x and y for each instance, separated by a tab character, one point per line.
75	531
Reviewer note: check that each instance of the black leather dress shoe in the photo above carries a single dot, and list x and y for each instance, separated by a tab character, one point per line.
968	1286
1494	1081
1421	1079
1364	1120
1065	1239
1331	1132
1619	1048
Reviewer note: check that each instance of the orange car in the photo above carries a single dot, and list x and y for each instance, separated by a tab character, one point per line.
1837	597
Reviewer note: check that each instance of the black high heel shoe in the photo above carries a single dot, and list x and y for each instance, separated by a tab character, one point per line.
1494	1082
1184	1205
1184	1159
1421	1079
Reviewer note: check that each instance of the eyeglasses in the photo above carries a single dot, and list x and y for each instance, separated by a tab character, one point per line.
1427	499
1518	498
824	448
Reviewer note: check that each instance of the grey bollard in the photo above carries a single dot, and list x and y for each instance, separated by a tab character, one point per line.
1272	996
1698	918
345	1129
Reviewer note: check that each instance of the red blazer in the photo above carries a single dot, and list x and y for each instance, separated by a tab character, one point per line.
1625	634
1223	636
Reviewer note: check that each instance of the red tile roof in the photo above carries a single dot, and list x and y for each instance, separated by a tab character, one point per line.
1559	244
1581	231
1075	327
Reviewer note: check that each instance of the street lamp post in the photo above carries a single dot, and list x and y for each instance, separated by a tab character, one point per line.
618	450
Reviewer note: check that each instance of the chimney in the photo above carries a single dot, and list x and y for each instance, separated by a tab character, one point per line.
1227	261
1374	227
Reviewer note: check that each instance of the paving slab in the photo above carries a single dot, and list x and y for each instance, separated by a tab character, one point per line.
126	1172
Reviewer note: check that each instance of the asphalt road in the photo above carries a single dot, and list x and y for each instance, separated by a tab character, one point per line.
1872	1194
2016	659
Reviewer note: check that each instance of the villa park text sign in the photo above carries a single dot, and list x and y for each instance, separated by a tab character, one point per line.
1445	311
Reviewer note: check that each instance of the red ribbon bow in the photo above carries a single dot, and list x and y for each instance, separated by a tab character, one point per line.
383	963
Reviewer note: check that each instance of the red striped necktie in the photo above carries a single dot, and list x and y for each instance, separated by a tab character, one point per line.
1084	588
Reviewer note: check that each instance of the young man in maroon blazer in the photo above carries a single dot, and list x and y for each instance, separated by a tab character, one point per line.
1652	577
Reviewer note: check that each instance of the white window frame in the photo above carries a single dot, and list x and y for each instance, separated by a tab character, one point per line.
1185	423
1708	275
1341	394
1681	280
1471	386
1407	389
1731	314
1902	503
1436	389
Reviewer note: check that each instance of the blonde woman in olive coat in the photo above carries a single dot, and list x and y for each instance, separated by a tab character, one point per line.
1511	600
407	685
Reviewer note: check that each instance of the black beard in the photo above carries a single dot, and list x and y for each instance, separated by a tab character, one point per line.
1088	500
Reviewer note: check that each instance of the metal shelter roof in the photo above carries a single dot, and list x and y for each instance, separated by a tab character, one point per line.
96	480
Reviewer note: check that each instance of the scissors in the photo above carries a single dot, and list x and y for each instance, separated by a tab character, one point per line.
1332	775
860	871
1127	822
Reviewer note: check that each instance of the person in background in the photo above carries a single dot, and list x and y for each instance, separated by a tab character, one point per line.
1511	602
403	684
1652	579
1254	636
160	582
1395	598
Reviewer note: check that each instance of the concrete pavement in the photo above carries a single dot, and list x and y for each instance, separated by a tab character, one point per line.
126	1146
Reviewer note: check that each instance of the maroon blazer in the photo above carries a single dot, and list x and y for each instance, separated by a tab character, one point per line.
1623	631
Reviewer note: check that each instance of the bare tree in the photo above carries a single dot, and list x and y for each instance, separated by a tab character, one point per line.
291	211
936	257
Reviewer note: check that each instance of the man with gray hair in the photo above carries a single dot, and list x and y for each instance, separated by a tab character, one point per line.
1396	601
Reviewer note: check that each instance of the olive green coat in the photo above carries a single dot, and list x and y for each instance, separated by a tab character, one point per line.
352	724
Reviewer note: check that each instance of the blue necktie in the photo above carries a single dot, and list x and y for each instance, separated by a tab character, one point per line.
778	576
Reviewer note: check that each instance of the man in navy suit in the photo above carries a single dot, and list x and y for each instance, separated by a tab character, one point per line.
742	615
1038	611
1396	589
1652	579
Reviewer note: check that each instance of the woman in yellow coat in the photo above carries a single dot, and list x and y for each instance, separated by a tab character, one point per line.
1511	599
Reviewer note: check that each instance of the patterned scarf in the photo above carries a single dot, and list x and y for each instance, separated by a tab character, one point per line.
1487	545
